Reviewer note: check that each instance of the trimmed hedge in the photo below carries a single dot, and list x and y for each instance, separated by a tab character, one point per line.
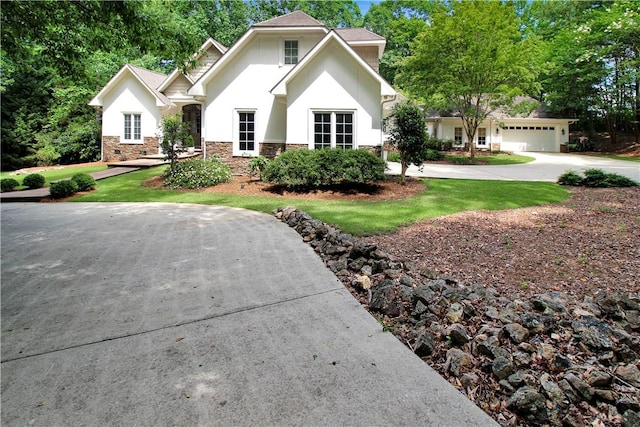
84	182
62	189
8	184
315	168
34	180
197	173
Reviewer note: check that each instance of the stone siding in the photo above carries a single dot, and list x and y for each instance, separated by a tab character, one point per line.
114	151
240	165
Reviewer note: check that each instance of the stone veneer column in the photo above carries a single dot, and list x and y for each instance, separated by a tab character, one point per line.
115	151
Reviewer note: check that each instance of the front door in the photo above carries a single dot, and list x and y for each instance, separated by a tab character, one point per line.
192	114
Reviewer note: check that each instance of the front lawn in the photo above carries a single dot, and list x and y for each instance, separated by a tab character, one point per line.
61	172
441	197
489	159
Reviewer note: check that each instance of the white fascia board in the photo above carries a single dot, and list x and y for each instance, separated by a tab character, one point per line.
281	88
97	100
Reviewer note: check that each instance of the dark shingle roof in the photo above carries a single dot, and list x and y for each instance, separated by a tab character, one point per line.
357	34
293	19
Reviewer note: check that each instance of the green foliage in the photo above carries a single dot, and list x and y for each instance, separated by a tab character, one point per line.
197	173
8	184
257	165
62	189
47	155
174	135
433	155
84	182
315	168
572	178
439	144
471	60
407	135
596	178
393	157
34	180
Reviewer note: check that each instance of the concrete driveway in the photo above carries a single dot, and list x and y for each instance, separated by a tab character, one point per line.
546	167
165	314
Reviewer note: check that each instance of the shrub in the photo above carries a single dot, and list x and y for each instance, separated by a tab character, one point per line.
315	168
62	189
84	182
596	178
197	173
433	155
35	180
570	178
393	157
461	160
438	144
8	184
257	164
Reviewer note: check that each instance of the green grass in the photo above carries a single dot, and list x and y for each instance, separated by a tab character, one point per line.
493	159
444	197
56	174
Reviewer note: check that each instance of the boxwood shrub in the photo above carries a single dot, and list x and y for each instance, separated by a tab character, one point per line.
8	184
62	189
596	178
84	182
34	180
197	173
315	168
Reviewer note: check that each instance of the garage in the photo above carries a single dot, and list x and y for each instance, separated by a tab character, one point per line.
529	138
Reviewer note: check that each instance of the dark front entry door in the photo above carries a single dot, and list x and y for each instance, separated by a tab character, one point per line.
192	114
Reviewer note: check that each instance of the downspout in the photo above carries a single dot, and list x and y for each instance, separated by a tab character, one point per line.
385	99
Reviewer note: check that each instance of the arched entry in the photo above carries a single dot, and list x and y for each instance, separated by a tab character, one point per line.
192	114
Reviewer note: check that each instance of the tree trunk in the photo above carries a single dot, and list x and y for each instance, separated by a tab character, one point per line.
403	172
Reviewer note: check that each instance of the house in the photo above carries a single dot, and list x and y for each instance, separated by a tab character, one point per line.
505	131
289	82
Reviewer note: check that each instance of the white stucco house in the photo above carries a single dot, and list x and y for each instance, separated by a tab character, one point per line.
536	131
289	82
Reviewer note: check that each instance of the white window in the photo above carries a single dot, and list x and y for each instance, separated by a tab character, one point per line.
333	129
457	136
132	127
482	136
245	143
291	51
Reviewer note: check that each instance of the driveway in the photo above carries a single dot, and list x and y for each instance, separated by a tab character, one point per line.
545	167
166	314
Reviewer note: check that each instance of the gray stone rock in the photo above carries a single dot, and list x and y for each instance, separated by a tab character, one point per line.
551	389
532	322
458	361
486	346
455	313
598	378
629	373
362	249
367	270
569	391
502	367
549	303
583	389
529	404
423	294
419	309
469	380
561	363
406	293
428	273
627	404
517	380
515	332
593	332
425	344
631	419
406	280
522	359
506	387
458	334
383	299
357	264
606	395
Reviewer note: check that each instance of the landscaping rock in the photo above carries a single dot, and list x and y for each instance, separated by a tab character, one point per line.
454	313
630	374
516	332
425	344
530	404
458	334
458	361
502	367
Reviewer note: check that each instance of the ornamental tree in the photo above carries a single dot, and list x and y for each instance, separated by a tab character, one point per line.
407	135
471	60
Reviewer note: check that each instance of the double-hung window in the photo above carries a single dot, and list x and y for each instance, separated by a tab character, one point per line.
333	130
246	131
291	51
457	136
482	136
132	127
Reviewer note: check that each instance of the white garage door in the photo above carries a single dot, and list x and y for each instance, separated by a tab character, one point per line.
529	138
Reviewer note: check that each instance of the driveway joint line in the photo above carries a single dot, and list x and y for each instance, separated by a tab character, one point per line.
177	325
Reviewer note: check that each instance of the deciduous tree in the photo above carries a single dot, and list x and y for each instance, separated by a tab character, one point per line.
407	135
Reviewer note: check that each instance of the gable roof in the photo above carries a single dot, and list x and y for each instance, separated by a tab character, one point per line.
358	34
176	72
151	80
530	109
280	89
294	19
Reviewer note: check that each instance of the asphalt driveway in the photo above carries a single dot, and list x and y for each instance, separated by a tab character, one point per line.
165	314
546	167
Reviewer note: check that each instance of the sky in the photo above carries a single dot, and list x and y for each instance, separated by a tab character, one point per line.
365	4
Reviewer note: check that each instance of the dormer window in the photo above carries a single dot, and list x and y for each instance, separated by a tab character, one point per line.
291	51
